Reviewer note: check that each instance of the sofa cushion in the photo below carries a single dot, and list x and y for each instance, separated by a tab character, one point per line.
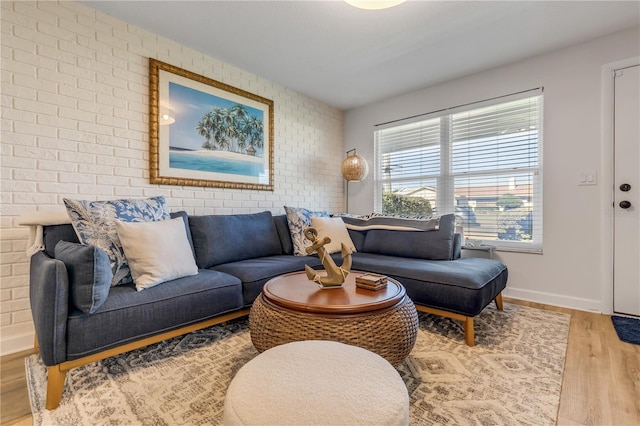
254	273
129	315
358	238
463	286
185	218
156	251
432	245
94	223
219	239
89	271
299	219
283	232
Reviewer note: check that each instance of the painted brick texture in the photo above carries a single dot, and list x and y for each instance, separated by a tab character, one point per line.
74	94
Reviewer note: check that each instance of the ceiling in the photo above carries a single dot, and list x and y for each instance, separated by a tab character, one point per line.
348	57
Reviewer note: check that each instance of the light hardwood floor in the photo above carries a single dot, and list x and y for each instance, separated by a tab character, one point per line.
601	384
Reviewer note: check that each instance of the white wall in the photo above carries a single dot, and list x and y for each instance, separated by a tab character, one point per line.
75	124
570	272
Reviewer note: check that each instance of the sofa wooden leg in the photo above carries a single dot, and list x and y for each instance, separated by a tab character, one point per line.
499	302
55	386
36	345
467	322
468	331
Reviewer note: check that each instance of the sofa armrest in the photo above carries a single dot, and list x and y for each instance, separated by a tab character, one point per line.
49	294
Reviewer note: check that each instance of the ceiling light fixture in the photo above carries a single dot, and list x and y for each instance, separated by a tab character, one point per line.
374	4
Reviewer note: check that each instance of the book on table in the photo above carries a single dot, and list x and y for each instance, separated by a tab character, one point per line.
371	281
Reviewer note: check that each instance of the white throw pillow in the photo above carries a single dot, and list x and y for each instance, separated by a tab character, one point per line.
334	228
157	251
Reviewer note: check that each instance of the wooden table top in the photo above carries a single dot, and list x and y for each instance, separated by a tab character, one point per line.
295	291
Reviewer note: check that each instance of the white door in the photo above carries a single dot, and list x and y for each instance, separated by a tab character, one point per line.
626	257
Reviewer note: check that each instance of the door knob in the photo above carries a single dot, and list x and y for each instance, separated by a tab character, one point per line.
625	204
625	187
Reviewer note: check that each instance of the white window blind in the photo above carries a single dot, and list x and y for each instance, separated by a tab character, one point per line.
482	162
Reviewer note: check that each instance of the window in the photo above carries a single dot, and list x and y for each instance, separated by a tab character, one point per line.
482	162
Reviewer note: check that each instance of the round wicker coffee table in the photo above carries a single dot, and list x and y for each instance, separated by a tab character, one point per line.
292	308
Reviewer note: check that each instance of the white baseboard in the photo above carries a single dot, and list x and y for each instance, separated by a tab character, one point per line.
19	343
570	302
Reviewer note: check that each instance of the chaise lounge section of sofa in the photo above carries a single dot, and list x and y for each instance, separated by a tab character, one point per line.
235	256
429	266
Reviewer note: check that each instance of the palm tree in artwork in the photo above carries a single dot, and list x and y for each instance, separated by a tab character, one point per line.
205	129
240	115
231	133
239	112
231	129
222	123
242	140
254	129
216	124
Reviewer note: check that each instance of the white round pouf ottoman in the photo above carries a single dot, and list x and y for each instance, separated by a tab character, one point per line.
317	382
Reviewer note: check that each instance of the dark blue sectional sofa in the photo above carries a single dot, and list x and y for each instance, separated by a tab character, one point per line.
236	255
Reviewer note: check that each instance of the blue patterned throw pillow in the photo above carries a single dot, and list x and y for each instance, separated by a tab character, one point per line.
298	220
94	223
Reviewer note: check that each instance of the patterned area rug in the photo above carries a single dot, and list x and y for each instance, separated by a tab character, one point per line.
512	376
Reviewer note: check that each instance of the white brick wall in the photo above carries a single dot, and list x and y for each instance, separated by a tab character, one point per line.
75	124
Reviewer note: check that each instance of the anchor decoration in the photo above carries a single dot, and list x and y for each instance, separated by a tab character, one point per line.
335	274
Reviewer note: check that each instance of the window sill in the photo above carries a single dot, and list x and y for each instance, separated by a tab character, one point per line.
492	248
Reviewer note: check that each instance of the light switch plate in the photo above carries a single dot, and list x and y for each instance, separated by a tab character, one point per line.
588	178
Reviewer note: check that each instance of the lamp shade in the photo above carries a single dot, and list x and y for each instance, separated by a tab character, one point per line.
354	168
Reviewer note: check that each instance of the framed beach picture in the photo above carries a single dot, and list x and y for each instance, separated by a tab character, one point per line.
207	133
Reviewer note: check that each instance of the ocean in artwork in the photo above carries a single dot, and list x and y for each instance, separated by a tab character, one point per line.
206	162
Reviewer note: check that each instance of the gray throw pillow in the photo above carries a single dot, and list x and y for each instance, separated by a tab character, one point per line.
89	270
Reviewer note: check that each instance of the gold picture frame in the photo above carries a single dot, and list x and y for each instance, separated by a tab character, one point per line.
206	133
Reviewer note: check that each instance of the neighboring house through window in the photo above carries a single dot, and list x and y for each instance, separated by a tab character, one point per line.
481	161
